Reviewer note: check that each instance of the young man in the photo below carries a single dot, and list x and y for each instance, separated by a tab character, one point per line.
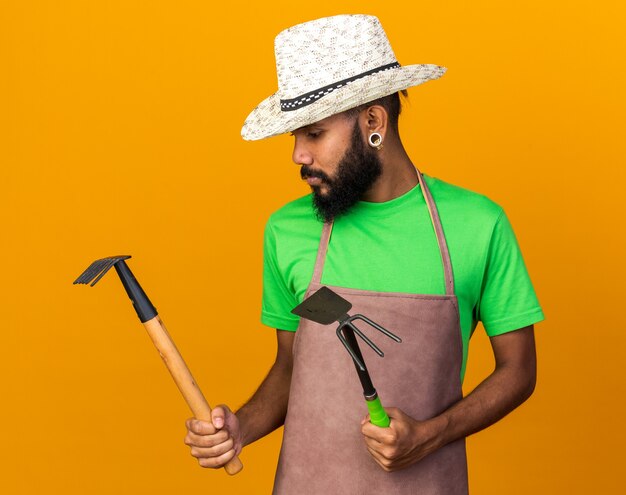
425	259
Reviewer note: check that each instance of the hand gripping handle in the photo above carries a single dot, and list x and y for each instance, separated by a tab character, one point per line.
183	378
378	415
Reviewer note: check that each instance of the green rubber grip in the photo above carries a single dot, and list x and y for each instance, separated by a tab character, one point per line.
378	416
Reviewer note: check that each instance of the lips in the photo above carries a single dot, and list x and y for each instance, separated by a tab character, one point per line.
313	181
312	176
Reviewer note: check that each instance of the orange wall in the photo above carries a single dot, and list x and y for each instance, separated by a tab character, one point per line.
119	133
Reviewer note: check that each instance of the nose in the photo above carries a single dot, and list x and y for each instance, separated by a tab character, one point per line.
301	154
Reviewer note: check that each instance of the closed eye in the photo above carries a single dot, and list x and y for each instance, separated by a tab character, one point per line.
309	134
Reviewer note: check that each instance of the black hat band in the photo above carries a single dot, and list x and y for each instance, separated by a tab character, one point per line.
313	96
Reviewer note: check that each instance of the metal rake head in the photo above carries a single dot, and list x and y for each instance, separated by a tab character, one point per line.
346	323
98	269
325	306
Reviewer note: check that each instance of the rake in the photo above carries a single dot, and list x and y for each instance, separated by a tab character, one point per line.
159	335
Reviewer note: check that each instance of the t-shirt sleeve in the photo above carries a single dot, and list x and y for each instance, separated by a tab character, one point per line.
508	300
278	300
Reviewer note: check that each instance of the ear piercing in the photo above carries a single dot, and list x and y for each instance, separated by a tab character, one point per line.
375	140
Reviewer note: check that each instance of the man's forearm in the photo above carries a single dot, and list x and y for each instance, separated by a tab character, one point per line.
511	383
408	440
267	408
500	393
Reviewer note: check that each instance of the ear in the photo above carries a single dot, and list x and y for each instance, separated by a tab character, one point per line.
376	120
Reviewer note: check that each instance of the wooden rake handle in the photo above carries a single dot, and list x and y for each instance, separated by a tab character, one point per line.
183	378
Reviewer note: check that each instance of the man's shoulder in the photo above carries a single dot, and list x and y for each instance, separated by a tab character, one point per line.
302	206
298	214
463	201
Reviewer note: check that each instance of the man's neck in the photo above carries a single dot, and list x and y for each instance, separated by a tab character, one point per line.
398	177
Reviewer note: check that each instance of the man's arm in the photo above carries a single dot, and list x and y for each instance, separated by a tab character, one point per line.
407	440
217	442
267	408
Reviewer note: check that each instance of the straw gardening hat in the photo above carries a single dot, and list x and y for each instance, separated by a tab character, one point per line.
328	66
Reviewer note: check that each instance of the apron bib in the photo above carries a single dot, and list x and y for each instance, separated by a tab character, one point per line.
323	451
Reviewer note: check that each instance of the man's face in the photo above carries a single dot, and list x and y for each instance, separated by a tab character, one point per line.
336	163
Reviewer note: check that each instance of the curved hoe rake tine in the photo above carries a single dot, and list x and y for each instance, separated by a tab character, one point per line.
377	327
366	339
356	360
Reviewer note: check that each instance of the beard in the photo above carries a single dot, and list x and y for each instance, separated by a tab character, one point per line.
357	171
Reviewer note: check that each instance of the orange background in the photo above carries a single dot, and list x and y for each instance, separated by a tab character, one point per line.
119	133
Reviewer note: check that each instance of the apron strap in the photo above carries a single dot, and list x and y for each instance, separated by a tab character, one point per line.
321	253
441	239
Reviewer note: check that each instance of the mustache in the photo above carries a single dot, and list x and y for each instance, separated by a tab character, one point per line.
306	172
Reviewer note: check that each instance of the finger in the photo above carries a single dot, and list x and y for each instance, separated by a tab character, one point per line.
194	440
375	446
379	435
373	432
386	459
200	427
218	416
380	459
375	453
372	445
217	462
394	412
216	451
386	463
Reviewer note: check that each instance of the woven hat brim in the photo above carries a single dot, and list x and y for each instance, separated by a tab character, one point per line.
267	119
